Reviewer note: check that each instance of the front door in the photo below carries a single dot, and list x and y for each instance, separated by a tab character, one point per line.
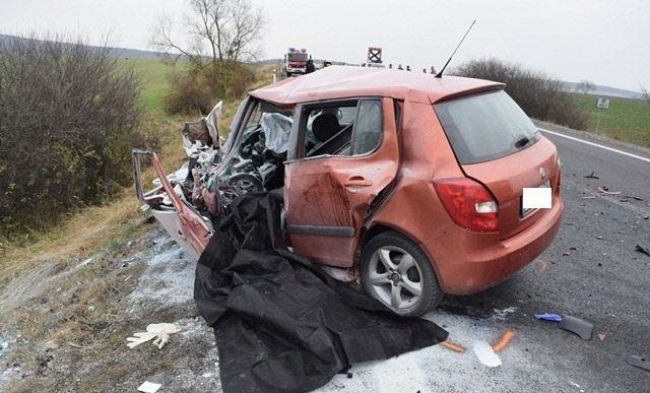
345	153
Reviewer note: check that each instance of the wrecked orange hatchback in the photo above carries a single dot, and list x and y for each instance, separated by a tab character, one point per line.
410	183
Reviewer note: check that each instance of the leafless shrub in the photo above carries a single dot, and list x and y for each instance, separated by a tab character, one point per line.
585	86
645	95
540	96
68	118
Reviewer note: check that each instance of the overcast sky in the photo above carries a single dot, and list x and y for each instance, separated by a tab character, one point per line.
607	42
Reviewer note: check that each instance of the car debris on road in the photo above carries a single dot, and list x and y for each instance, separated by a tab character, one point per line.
605	190
149	387
503	341
638	361
547	316
582	328
642	250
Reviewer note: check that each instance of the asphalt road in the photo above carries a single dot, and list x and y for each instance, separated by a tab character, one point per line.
591	271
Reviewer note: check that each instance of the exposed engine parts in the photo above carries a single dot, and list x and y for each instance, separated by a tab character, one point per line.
215	177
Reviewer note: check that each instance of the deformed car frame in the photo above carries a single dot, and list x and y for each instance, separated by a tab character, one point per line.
410	182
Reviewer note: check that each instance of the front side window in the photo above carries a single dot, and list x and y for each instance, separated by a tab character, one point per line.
344	128
485	126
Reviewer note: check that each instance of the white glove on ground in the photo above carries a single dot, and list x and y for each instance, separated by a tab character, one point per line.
158	331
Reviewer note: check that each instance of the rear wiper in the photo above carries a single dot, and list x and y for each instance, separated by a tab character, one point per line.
521	142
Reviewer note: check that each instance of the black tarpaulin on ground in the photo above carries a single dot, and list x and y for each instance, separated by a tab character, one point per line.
282	324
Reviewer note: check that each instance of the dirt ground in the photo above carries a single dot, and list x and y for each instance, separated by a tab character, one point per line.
64	324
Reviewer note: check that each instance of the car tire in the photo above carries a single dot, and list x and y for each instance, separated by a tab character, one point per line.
395	271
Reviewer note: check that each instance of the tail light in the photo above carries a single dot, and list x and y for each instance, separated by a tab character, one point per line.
469	204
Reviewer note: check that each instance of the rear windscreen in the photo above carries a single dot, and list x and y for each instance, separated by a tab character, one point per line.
485	126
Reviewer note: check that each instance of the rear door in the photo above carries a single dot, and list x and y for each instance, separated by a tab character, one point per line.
497	144
345	153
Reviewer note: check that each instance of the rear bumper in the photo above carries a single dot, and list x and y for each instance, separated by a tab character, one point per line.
483	267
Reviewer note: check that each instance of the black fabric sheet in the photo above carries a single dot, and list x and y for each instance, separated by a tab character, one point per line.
281	323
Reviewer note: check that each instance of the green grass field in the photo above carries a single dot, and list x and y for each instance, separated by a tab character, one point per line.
153	75
626	119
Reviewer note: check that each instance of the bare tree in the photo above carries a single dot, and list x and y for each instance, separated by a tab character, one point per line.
645	94
585	86
218	31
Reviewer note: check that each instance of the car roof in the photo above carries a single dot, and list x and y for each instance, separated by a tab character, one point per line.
347	81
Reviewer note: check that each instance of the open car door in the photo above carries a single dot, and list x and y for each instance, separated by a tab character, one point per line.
166	202
345	153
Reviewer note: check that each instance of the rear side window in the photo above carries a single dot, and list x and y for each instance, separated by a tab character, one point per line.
485	127
368	130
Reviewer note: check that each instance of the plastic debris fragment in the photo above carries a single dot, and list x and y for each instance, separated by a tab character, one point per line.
453	346
504	340
149	387
638	361
548	316
606	191
642	250
485	354
578	326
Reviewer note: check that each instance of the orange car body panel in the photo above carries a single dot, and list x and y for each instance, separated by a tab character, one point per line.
342	82
336	191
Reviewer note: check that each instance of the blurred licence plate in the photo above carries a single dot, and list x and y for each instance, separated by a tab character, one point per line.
535	199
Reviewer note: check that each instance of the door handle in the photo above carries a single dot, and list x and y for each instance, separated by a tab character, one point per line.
357	181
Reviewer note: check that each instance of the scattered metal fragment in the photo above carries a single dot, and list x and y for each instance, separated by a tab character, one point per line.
504	340
592	175
601	336
453	346
638	361
589	197
578	326
549	316
642	250
606	191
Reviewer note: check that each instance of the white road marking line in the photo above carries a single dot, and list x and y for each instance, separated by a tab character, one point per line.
596	145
